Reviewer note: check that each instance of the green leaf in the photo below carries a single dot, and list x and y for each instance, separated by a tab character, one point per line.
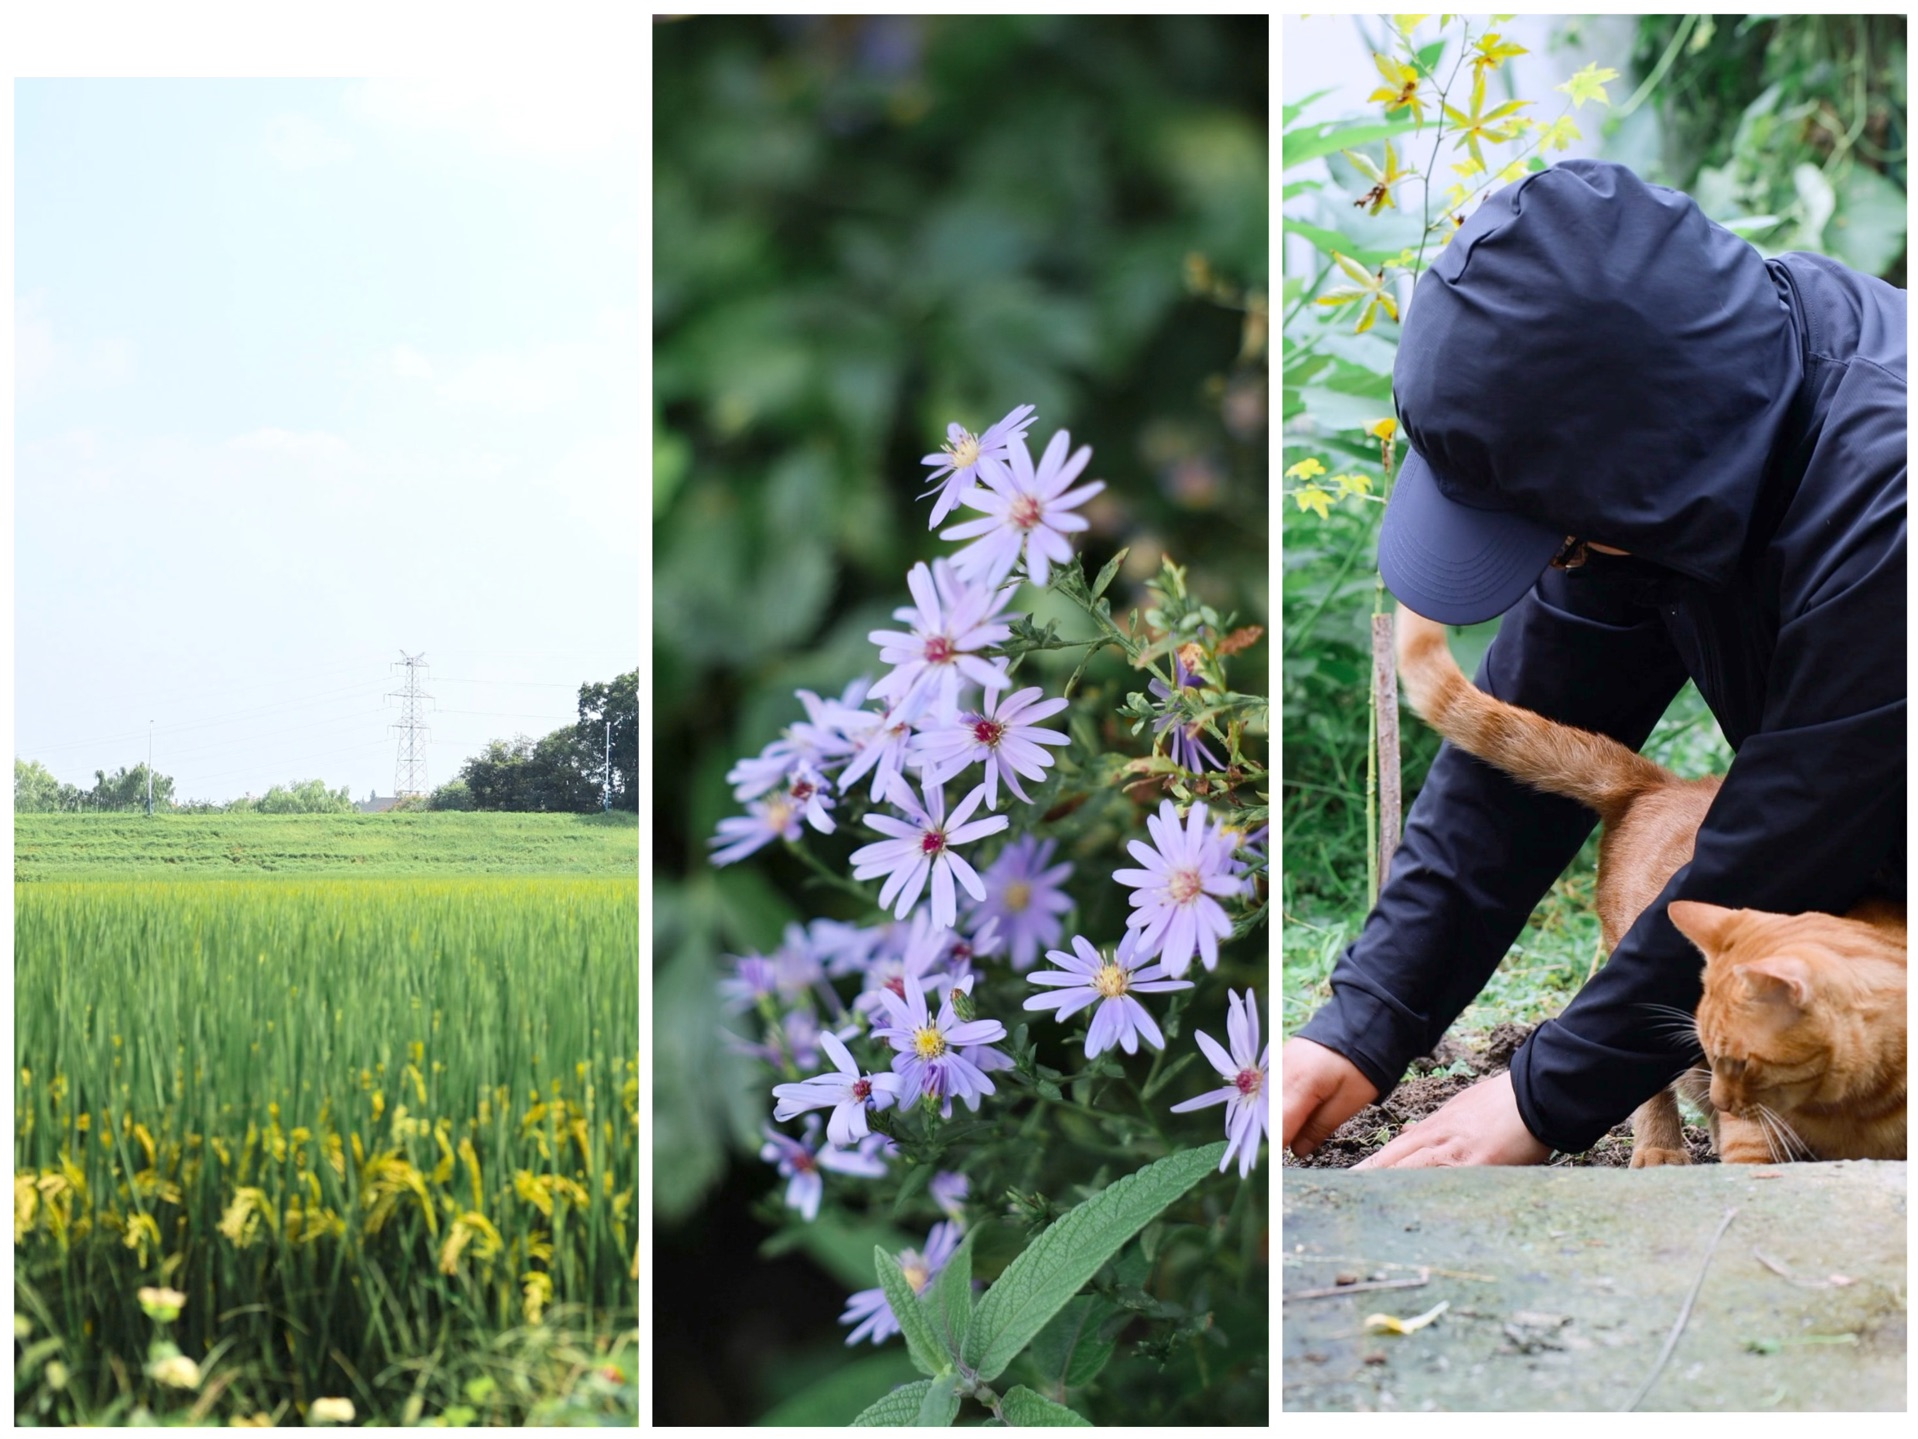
948	1302
897	1409
1037	1284
838	1397
927	1352
1309	142
1290	113
1068	1352
941	1403
1868	230
1108	572
1024	1408
1328	241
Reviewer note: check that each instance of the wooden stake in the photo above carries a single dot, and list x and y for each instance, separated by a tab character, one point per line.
1385	704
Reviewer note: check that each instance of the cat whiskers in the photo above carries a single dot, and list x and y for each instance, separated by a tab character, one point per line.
1793	1143
1680	1022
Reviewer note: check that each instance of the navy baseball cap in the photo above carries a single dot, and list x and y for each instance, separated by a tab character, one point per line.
1592	358
1451	562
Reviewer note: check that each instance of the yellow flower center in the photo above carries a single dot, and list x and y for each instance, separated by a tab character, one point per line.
916	1273
1110	980
964	450
929	1043
1018	896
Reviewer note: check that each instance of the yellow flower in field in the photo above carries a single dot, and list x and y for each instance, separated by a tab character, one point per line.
538	1289
174	1370
241	1222
162	1304
330	1411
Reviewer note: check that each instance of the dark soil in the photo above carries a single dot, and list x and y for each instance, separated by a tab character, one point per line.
1458	1063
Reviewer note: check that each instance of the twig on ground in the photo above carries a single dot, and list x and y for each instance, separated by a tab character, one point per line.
1425	1278
1684	1314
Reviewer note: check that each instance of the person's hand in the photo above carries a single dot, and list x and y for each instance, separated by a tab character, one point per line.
1322	1089
1480	1125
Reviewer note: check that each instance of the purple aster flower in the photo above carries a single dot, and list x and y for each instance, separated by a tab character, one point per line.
765	820
955	467
868	1310
797	1038
927	948
922	846
754	978
807	793
1083	977
1187	746
1003	733
881	746
1244	1071
1024	511
929	1060
950	619
801	1159
847	948
1026	898
949	1190
849	1093
1173	899
816	742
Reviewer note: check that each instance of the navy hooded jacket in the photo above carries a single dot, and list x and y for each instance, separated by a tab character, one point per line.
1611	363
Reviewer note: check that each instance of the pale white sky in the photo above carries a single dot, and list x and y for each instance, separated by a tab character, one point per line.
308	372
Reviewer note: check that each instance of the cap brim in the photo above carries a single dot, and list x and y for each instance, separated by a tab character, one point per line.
1452	563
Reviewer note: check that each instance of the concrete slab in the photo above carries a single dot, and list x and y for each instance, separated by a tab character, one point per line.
1563	1285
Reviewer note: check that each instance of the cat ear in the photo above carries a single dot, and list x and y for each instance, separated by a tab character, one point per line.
1782	981
1709	926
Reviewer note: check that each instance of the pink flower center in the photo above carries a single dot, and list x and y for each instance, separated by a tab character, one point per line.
1249	1081
897	985
987	731
1026	512
803	1162
961	952
802	791
932	842
862	1089
1185	886
939	650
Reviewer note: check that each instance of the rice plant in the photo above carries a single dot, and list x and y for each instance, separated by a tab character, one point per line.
358	1125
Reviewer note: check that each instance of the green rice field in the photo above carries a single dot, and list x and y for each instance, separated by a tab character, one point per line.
377	1137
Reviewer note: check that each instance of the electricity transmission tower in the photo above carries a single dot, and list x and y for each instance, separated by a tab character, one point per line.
409	767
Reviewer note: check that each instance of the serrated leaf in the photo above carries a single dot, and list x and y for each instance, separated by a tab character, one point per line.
941	1404
927	1352
1022	1407
1069	1351
897	1409
1038	1284
948	1301
1108	572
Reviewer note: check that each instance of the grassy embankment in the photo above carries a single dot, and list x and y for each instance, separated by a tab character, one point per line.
204	846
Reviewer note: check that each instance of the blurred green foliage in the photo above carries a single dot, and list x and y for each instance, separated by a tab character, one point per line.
864	228
1798	117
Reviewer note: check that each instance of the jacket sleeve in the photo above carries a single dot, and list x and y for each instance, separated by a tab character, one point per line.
1811	810
1480	849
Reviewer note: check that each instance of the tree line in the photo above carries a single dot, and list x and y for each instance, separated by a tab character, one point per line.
566	772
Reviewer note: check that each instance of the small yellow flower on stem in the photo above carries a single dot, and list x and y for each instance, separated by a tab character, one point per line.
1370	288
1401	88
1589	84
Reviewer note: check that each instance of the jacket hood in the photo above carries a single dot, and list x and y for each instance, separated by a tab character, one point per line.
1592	354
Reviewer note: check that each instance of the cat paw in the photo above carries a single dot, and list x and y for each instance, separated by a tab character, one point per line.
1648	1158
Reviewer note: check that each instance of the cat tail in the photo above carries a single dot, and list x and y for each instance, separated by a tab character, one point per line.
1598	772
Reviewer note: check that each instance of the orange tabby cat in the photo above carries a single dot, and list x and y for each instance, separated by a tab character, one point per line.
1803	1016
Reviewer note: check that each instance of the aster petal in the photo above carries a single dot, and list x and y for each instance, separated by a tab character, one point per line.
1217	1057
978	829
1210	1097
1104	1030
945	909
1142	1021
965	874
975	1031
1065	1002
835	1051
